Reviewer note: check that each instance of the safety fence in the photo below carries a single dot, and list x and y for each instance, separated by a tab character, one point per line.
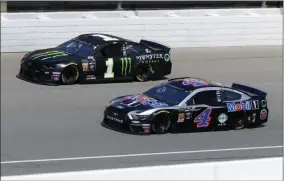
22	32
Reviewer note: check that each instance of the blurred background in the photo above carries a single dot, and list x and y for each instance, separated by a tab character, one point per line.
45	6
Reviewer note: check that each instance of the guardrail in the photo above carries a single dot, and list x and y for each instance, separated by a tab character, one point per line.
257	169
22	32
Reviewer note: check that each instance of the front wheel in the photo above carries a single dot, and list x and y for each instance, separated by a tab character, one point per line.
69	75
143	73
161	124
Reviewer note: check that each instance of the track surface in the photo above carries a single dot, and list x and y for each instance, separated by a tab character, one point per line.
43	122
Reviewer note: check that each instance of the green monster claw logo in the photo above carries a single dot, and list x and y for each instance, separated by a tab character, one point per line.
263	103
125	64
49	55
167	57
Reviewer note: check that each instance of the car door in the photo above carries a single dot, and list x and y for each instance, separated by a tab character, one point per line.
237	108
108	61
203	110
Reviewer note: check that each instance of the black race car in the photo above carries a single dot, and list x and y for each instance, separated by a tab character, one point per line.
96	57
188	105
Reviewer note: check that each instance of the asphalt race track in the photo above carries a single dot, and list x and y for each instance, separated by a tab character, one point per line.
40	123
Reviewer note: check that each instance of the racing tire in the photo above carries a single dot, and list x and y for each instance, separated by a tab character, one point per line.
69	75
238	124
161	124
143	73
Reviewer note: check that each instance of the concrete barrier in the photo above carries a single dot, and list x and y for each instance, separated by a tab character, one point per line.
257	169
178	28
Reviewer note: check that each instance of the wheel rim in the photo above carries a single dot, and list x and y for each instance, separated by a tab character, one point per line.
143	73
70	74
240	124
161	126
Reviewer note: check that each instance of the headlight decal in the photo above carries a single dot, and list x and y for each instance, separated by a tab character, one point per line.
49	66
137	117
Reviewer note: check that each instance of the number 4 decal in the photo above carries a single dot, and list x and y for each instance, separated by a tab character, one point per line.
203	119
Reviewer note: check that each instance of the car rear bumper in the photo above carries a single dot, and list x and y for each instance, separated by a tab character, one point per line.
168	69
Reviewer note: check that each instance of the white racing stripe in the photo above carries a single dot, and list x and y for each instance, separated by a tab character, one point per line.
141	154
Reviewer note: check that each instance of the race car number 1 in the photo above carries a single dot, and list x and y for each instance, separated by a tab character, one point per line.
109	71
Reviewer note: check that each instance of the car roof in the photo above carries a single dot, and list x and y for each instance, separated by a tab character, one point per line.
98	39
191	83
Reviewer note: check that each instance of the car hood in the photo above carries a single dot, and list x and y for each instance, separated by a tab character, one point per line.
137	102
48	55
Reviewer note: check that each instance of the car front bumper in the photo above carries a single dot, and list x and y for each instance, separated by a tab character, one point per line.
30	74
118	120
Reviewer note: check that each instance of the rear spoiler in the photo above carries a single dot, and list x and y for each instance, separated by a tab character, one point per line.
155	45
248	89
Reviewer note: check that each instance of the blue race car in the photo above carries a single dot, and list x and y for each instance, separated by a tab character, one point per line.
187	104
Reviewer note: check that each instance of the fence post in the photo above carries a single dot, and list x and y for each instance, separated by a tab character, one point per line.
3	6
119	5
263	4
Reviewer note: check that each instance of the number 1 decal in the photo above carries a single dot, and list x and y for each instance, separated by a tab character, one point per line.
109	72
203	119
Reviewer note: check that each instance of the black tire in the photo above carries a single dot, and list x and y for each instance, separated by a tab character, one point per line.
238	124
161	124
69	75
143	73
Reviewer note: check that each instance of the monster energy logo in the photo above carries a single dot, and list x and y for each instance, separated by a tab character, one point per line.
125	65
49	55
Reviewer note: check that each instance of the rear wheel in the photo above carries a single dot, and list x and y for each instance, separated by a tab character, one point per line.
143	73
69	75
238	124
161	124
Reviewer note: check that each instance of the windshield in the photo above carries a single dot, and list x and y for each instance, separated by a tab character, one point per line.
77	47
167	93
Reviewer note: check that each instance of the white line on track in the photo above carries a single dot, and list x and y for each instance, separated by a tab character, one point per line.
141	154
